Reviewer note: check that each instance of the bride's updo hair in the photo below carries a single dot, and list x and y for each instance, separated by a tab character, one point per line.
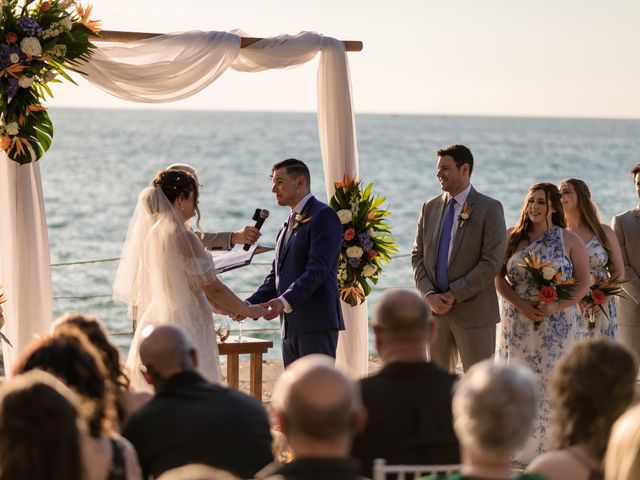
175	183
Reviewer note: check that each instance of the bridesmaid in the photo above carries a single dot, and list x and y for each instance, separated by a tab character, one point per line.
605	257
540	230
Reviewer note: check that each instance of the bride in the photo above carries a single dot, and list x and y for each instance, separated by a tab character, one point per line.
166	276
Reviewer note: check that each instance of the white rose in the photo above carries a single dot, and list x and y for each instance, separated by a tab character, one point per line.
31	46
371	233
14	58
345	216
369	270
354	252
548	272
25	81
66	22
12	128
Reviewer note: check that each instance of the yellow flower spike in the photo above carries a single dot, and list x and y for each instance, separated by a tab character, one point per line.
558	278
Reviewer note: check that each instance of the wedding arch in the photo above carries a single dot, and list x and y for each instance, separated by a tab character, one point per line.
159	68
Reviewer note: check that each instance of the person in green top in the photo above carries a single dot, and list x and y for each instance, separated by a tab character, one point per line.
493	408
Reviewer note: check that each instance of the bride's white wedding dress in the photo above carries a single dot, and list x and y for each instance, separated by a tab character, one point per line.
160	275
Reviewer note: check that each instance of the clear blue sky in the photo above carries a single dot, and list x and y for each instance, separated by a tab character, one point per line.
491	57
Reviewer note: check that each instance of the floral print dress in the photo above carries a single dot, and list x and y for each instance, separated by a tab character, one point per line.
604	327
541	348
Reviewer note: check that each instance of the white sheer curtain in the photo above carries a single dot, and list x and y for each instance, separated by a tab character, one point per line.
24	256
168	68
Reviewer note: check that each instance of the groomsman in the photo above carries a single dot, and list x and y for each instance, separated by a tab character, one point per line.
627	228
459	248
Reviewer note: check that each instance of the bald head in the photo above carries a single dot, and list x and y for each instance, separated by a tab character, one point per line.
316	400
402	315
167	350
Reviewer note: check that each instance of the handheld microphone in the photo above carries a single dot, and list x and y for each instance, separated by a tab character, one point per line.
259	216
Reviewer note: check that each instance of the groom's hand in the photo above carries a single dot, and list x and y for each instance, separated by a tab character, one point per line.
275	306
246	235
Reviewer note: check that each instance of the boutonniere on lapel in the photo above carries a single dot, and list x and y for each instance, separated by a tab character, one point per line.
300	219
464	215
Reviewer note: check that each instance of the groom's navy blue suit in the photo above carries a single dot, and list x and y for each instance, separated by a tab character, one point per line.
304	272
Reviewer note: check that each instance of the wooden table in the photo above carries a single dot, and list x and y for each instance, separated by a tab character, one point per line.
255	347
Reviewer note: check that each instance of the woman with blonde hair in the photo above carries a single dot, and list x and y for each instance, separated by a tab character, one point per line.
622	460
605	256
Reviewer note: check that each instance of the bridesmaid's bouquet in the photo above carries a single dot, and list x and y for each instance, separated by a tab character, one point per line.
548	280
601	288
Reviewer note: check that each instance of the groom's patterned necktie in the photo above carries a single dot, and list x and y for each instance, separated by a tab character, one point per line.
442	263
290	225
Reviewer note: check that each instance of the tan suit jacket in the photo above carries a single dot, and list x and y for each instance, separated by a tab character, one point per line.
627	228
476	257
217	241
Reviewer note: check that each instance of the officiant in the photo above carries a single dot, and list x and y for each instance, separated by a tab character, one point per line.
220	240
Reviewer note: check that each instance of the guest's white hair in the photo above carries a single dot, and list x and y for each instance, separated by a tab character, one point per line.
493	407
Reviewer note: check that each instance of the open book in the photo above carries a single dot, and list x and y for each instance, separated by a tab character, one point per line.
236	259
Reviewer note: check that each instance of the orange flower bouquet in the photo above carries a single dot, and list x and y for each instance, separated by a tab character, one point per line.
366	239
548	280
601	288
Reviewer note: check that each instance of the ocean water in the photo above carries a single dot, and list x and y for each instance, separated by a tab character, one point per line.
101	159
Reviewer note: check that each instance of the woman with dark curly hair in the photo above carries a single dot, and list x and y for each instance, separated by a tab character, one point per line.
592	386
533	332
127	400
39	435
69	356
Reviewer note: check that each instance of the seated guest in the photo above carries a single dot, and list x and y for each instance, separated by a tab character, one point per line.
92	327
70	356
622	460
592	385
190	420
493	409
408	402
197	472
39	436
318	410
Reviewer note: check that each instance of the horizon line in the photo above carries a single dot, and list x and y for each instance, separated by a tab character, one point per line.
154	107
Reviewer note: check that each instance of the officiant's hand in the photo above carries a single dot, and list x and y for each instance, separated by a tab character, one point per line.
245	235
275	306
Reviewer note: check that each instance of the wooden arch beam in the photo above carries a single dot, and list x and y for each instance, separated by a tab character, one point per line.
117	36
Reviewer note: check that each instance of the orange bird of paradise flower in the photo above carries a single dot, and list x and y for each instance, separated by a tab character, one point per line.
85	13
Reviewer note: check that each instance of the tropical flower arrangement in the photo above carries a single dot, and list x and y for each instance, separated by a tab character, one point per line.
366	239
39	40
601	288
548	280
3	298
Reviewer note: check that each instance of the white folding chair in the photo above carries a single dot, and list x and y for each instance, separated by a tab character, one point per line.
409	472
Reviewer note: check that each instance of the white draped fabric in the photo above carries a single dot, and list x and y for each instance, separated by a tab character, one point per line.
164	69
24	256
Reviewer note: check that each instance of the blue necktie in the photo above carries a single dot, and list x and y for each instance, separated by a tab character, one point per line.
442	263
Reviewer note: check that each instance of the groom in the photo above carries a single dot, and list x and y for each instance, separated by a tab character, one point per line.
302	287
460	247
